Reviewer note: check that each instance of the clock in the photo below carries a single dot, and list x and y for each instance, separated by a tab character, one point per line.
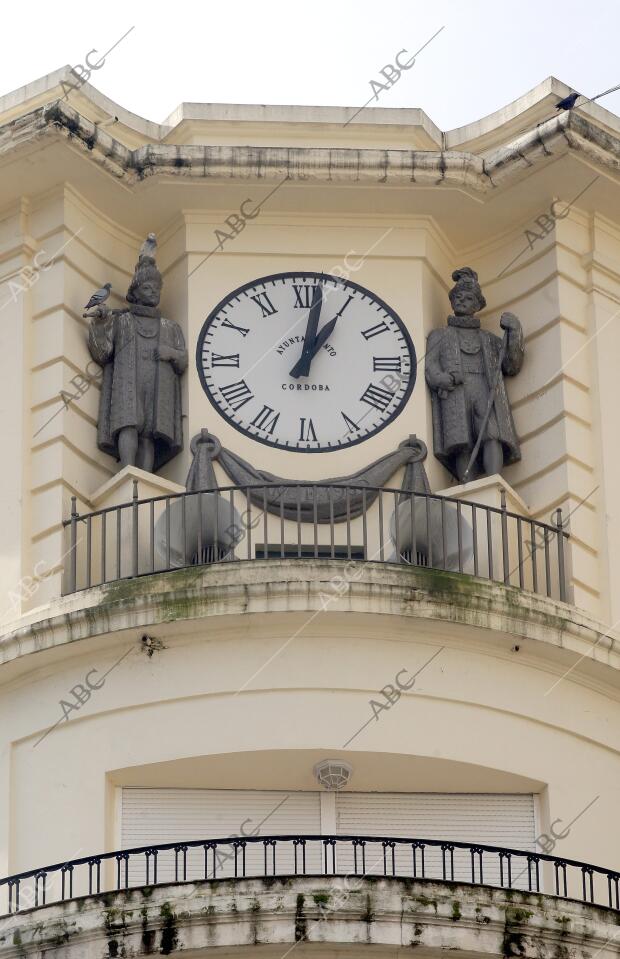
306	362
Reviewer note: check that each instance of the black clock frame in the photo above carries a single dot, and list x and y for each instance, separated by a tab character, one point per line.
306	274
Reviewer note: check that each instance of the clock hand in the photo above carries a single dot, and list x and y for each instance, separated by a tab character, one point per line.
303	365
319	340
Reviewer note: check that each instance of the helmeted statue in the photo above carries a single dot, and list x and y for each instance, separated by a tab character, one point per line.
143	357
465	367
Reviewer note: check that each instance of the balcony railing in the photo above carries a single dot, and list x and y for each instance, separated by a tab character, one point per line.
286	856
299	521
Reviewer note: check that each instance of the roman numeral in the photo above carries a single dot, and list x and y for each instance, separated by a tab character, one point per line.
343	308
237	394
219	360
262	420
376	396
380	363
304	295
351	426
262	300
239	329
306	430
381	327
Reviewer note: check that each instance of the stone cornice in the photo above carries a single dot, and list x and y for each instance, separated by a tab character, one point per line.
477	174
445	600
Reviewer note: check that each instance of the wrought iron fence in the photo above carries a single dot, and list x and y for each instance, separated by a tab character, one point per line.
285	856
314	520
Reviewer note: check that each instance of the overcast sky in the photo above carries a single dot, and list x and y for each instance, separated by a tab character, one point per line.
319	52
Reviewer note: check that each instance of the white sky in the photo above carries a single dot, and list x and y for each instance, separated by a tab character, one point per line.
319	52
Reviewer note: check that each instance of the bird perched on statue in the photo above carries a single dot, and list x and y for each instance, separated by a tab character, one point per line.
568	102
99	297
149	246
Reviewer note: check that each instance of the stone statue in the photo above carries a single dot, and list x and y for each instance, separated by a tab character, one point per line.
473	429
143	357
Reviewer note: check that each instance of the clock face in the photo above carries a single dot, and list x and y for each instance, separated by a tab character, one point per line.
306	362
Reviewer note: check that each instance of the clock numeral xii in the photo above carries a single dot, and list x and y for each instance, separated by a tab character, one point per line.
304	295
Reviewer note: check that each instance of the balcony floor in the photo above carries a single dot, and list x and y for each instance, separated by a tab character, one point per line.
334	914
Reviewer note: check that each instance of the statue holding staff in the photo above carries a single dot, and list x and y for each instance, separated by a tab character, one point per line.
473	430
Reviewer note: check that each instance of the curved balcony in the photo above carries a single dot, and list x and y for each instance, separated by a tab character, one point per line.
298	521
273	857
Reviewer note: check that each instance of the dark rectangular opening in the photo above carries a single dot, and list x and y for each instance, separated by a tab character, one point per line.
323	551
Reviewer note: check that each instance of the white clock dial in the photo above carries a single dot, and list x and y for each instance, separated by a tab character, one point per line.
306	362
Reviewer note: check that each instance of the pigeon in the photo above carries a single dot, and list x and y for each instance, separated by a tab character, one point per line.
99	297
149	246
568	102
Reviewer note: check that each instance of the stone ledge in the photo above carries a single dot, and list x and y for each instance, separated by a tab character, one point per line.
475	173
301	586
327	913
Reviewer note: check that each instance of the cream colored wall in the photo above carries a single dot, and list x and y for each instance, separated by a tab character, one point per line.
16	249
562	408
601	265
479	716
563	291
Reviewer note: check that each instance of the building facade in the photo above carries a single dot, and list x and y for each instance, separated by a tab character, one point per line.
310	577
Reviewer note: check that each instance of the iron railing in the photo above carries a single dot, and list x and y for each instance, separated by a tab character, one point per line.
286	856
314	520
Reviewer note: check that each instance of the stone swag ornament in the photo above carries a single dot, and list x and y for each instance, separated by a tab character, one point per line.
349	497
143	357
473	430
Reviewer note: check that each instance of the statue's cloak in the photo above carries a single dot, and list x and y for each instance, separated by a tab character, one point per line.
113	344
452	427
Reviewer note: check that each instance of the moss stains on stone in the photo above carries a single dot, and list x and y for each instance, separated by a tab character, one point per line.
179	579
113	921
517	916
17	942
255	910
321	898
425	901
169	932
301	927
442	581
367	915
60	938
417	933
514	941
513	944
148	935
456	911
